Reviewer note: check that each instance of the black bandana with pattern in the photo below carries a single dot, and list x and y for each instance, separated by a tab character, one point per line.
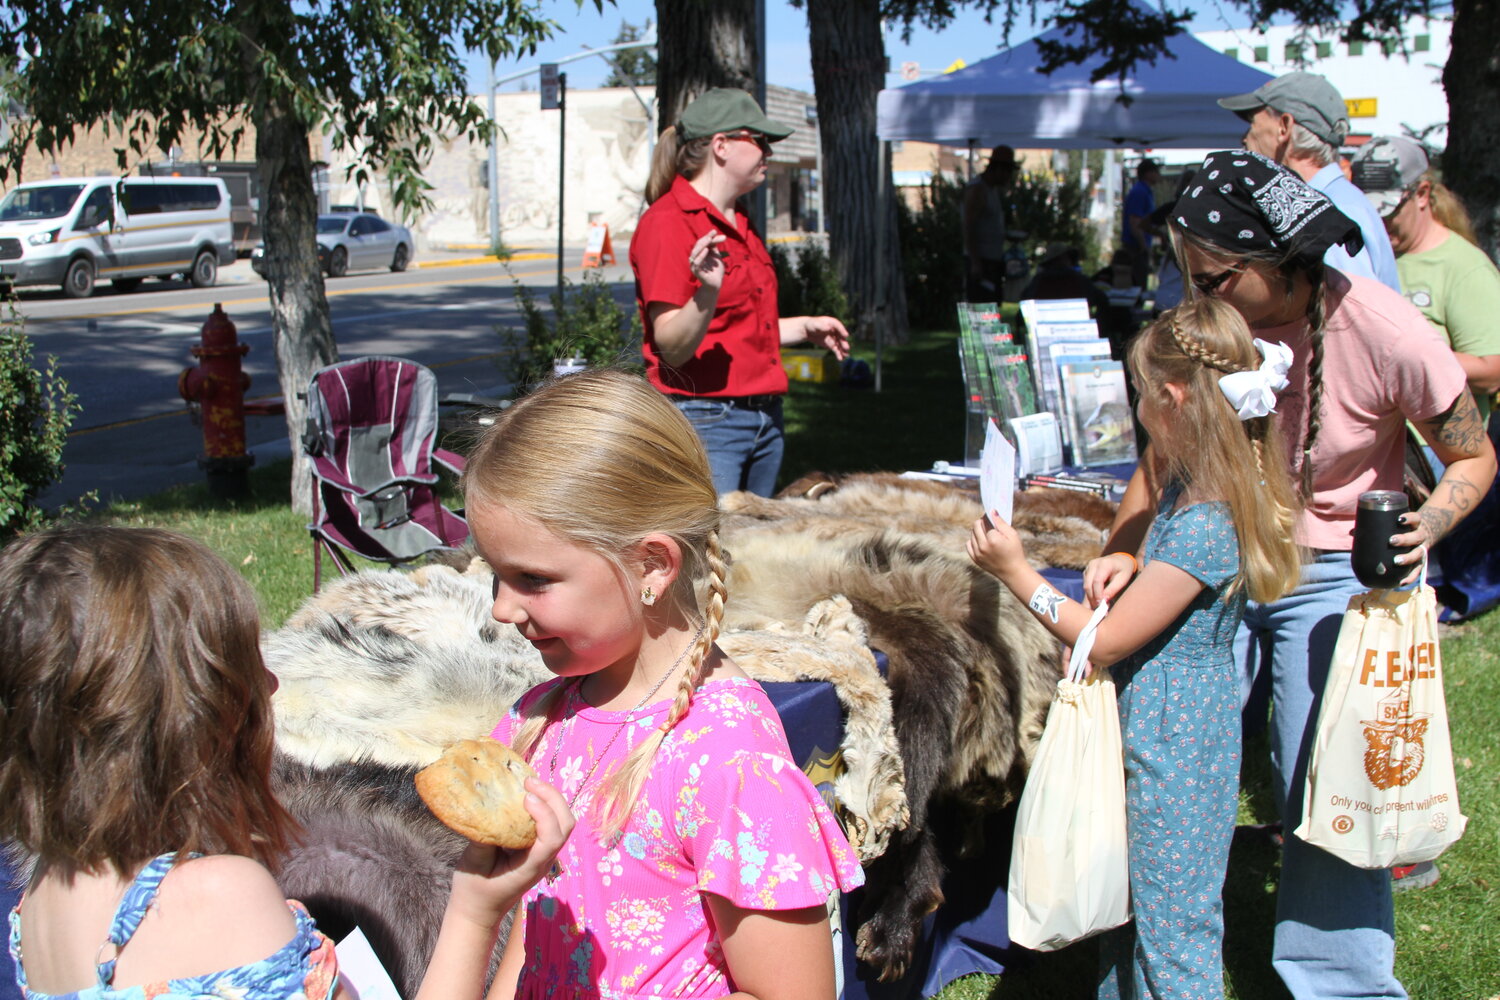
1243	201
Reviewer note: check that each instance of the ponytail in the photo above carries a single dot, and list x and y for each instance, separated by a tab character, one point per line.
674	157
1448	210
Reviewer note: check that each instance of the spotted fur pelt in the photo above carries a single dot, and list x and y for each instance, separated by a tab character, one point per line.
1060	528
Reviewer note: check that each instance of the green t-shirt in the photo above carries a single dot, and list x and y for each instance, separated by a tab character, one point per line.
1457	287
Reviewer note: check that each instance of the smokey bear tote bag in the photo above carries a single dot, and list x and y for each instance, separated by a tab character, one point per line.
1380	786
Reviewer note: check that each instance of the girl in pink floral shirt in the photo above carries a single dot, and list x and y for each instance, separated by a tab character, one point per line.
703	860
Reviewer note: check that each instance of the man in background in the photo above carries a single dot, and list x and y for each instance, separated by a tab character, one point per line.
1300	120
1140	202
984	226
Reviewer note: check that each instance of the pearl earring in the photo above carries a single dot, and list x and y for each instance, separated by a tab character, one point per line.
648	597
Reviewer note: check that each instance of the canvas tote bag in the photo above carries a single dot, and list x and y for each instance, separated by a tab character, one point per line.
1380	787
1069	869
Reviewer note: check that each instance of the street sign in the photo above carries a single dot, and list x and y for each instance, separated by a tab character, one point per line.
1361	107
550	87
910	70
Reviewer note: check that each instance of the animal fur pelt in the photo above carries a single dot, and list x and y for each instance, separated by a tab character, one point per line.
971	674
371	856
1060	528
392	668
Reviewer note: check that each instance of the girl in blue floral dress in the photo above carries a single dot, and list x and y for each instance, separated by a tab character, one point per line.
135	766
1222	532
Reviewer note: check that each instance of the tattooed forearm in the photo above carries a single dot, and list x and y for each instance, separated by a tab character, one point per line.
1454	499
1457	430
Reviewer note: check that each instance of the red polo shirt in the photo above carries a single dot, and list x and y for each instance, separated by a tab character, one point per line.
741	353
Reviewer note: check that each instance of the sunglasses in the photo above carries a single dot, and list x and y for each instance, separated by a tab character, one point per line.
755	137
1208	284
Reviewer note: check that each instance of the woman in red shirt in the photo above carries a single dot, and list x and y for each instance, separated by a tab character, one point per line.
707	289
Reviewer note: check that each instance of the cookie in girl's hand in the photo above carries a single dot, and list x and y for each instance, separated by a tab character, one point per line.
477	788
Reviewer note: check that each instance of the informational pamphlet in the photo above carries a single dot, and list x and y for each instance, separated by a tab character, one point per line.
997	473
1038	444
360	969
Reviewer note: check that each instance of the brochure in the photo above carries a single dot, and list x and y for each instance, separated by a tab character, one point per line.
1038	443
1097	411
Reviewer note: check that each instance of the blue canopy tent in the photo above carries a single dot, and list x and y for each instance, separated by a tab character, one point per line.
1006	100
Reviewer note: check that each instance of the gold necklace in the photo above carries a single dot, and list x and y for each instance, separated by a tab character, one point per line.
567	728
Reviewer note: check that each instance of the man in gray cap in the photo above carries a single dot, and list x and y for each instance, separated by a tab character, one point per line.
1300	120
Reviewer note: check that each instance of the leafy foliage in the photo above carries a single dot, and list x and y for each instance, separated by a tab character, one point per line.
807	284
629	67
932	253
1051	209
36	410
382	82
585	322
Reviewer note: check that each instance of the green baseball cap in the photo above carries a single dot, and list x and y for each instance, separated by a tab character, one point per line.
725	109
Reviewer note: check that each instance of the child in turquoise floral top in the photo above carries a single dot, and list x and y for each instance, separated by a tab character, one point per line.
1223	529
704	860
135	760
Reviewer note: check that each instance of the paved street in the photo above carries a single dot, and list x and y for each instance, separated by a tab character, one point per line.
122	353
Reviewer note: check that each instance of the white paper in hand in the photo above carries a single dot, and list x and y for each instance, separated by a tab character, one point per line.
363	976
997	472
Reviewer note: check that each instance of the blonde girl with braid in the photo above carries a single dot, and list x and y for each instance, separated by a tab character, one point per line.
703	859
1221	534
1252	236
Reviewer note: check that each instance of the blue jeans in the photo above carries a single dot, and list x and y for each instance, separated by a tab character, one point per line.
744	445
1335	926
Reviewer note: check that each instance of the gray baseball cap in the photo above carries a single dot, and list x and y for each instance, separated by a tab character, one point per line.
1386	168
1310	99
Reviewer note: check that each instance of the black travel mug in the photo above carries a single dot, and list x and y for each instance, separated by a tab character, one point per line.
1376	519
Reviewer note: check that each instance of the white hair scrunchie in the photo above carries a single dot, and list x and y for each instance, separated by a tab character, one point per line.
1253	393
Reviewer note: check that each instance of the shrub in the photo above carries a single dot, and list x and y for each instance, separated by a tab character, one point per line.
932	253
1046	207
36	410
585	321
807	283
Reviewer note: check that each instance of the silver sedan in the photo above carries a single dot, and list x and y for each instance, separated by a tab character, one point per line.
354	241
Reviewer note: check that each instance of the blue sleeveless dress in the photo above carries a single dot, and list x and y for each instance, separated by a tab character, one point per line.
305	968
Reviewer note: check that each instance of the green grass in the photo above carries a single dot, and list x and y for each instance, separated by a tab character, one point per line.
1448	941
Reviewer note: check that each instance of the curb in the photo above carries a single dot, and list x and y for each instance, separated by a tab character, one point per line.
468	261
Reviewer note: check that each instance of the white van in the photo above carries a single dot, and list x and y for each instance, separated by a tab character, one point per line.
73	231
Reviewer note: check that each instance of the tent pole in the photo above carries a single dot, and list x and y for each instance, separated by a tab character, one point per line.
882	272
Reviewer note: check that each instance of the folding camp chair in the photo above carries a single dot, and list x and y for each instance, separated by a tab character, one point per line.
371	426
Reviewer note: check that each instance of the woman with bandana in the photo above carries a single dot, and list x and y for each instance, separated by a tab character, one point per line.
1365	361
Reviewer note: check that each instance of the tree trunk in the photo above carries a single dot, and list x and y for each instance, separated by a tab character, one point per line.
701	44
302	329
848	63
1472	80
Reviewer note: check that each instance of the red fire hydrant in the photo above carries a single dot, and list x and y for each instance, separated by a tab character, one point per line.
217	383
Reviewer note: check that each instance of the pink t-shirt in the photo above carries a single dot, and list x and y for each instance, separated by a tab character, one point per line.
1383	364
725	810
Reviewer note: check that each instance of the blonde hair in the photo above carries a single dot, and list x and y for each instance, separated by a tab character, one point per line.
601	459
1220	456
1447	209
673	157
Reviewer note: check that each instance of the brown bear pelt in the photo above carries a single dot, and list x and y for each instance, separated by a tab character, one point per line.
971	674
